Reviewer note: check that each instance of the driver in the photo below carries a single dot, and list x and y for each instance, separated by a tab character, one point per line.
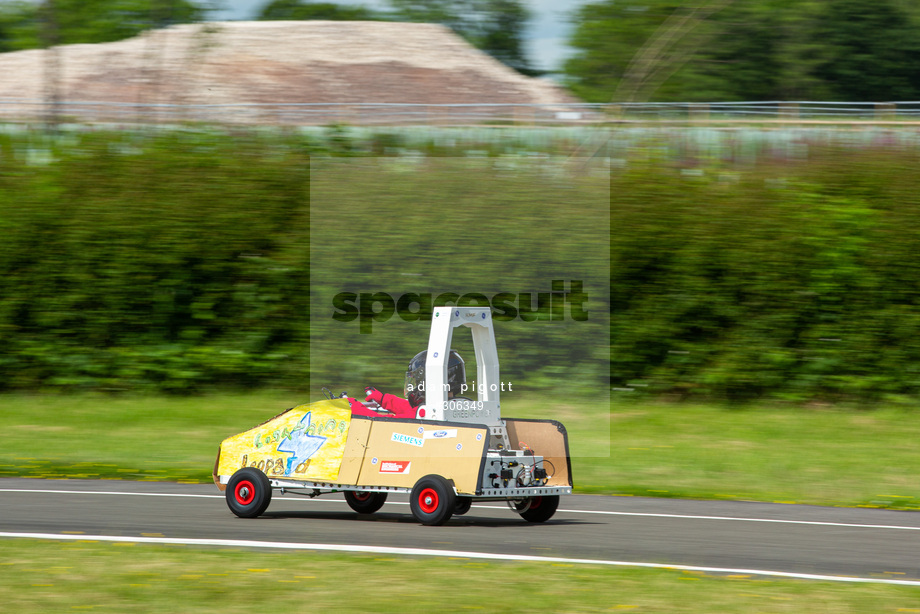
414	390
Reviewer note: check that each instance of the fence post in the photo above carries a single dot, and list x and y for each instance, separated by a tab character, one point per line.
885	111
788	111
699	111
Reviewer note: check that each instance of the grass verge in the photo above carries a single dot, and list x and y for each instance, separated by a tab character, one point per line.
38	576
828	456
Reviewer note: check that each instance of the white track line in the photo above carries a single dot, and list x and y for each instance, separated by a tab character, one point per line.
740	519
239	543
109	492
500	507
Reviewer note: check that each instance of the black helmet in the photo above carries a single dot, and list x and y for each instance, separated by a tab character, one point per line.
415	376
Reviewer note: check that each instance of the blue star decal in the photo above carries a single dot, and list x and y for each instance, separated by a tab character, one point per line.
300	443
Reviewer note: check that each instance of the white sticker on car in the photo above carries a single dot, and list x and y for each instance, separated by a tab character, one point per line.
401	467
408	439
441	434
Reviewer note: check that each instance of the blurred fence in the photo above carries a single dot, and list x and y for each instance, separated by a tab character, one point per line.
396	114
769	110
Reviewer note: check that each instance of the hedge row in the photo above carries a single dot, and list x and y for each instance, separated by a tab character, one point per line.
164	262
182	261
795	281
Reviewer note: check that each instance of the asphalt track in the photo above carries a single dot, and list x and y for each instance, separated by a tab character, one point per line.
841	544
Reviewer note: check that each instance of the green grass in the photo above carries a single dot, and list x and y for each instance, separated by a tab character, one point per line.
134	438
789	454
827	456
782	454
37	576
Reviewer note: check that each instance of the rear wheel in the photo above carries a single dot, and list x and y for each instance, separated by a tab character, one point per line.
365	502
463	505
432	500
537	509
248	493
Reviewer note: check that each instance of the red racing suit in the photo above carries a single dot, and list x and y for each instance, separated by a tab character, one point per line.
398	406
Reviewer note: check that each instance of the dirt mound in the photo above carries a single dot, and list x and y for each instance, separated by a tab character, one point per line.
321	63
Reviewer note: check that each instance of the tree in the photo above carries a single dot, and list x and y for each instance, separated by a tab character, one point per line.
305	10
447	13
765	51
818	50
871	51
494	26
16	17
669	50
89	21
607	36
501	34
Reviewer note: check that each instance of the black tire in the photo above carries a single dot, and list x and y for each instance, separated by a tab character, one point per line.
365	502
432	500
538	509
248	493
463	505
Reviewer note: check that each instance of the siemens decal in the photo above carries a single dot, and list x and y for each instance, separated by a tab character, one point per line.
407	439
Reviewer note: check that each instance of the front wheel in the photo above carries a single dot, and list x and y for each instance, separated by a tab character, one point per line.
537	509
248	493
365	502
433	500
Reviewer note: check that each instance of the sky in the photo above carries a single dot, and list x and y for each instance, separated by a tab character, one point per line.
546	37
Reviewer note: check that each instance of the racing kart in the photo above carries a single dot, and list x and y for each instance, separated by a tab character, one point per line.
455	452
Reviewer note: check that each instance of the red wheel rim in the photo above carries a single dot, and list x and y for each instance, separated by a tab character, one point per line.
428	500
244	492
535	502
361	496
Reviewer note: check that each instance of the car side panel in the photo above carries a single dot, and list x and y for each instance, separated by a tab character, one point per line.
400	452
